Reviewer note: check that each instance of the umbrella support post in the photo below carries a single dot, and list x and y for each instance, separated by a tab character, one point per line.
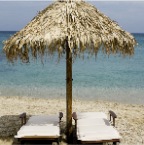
68	92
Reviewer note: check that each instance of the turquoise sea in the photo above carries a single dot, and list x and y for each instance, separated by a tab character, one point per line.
112	78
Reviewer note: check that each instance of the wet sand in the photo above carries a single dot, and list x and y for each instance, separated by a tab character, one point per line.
130	121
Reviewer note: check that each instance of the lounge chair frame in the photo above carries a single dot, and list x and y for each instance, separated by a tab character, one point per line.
23	118
112	117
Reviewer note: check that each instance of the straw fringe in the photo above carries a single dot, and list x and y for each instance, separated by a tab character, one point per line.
85	27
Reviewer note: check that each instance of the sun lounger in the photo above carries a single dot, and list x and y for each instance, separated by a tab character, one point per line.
94	127
40	127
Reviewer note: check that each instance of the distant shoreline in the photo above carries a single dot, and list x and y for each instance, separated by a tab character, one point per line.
119	95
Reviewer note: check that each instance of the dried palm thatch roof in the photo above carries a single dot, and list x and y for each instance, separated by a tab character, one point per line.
80	23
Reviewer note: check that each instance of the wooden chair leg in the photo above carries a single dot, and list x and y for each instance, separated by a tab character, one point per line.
22	142
114	143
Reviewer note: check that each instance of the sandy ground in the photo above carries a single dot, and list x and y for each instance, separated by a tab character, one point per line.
130	121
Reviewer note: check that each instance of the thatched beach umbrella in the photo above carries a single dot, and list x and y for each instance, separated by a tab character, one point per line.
71	27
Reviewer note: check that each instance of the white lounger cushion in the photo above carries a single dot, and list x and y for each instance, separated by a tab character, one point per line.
40	126
94	126
92	122
86	115
43	120
97	133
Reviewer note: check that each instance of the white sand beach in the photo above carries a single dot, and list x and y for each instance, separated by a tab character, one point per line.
130	121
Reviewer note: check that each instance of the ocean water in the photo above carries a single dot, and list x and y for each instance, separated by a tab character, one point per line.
112	78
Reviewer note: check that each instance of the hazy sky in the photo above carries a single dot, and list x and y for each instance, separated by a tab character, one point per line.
14	15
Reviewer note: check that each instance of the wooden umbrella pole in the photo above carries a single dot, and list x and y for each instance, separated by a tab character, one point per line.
68	90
